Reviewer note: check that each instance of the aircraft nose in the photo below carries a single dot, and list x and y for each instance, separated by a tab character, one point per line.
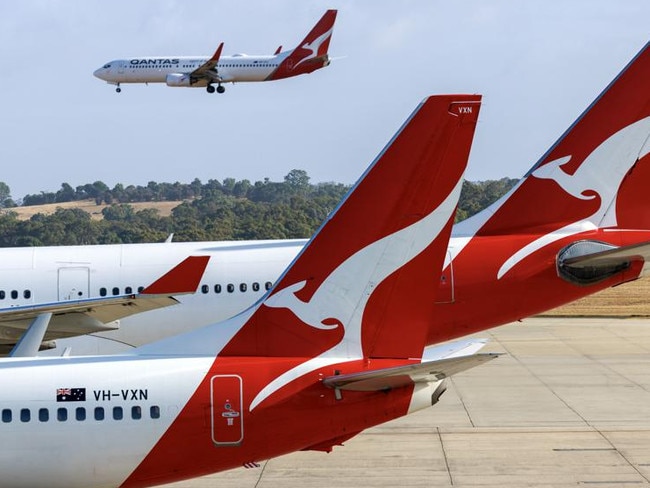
100	73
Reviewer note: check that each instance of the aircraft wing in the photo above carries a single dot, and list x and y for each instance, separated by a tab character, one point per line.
424	372
207	69
77	317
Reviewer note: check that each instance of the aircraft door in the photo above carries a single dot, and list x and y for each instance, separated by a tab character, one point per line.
226	410
74	283
120	67
446	287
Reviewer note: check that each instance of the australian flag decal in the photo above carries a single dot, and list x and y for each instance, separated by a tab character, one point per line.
70	394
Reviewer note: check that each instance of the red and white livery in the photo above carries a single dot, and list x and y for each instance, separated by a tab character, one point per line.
335	347
200	71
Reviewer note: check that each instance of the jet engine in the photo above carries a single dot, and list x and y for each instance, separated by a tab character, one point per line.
178	79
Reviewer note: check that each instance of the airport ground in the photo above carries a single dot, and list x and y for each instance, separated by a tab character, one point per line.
566	405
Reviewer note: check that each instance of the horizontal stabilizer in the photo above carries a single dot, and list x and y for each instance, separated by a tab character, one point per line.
390	378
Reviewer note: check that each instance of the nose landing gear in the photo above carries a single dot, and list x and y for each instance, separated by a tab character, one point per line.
118	89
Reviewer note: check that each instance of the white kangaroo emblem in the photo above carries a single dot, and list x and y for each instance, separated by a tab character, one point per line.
600	174
316	43
342	297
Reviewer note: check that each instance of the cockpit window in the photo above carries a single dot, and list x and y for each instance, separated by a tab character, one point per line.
107	65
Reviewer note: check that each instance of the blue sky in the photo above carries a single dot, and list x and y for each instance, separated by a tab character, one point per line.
538	64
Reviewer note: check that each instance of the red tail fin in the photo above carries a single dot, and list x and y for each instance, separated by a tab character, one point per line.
311	53
362	286
594	176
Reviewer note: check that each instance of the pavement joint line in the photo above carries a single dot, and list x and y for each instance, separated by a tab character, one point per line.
609	368
462	402
259	478
630	463
589	424
546	385
444	455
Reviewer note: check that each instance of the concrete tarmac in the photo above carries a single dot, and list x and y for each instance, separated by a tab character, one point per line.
567	405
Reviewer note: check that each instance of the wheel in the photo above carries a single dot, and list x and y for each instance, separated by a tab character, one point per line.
118	89
221	89
210	89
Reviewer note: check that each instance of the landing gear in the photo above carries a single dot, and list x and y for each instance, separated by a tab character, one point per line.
118	89
220	89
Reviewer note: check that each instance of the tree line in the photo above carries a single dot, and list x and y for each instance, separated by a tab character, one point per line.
217	210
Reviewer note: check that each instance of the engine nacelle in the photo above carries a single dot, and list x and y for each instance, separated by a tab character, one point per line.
178	79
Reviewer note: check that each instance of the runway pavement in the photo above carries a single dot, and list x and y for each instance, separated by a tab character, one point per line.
567	405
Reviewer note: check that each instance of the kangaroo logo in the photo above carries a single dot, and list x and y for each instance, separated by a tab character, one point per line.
341	298
314	46
600	175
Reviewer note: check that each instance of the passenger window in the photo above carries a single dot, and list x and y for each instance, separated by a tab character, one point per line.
6	415
128	290
242	287
217	288
27	294
118	414
80	413
62	414
25	415
136	412
102	292
116	291
230	287
14	294
205	289
256	286
140	289
43	414
268	285
2	294
99	413
154	412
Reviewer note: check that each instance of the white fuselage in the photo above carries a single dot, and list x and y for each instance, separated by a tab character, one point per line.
236	68
238	275
126	411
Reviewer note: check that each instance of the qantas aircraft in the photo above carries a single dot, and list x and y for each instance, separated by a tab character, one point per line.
335	347
80	285
200	71
513	260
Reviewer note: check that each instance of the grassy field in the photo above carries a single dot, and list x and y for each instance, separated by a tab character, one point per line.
628	300
95	211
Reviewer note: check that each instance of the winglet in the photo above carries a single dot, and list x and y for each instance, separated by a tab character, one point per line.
278	50
217	54
183	278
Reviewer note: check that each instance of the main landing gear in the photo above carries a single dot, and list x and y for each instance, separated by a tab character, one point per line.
220	89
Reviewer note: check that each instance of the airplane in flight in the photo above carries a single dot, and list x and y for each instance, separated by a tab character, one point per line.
335	347
515	259
200	71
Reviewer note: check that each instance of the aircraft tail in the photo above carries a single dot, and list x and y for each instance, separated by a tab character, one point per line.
311	53
593	177
362	286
